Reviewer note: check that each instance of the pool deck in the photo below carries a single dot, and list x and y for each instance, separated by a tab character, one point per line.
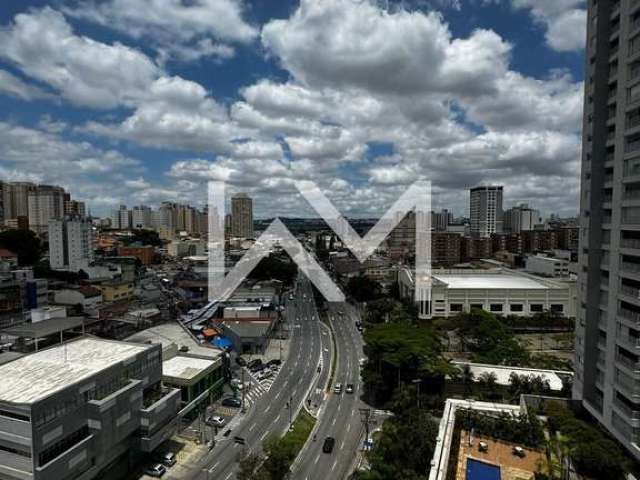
499	453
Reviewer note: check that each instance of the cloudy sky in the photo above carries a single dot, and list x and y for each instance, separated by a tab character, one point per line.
140	101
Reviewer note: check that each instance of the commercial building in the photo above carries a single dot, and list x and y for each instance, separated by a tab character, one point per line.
141	217
70	243
242	216
521	218
499	291
607	362
75	208
89	298
486	211
11	302
80	408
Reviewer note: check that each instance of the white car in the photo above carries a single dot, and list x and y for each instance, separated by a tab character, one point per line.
216	421
337	388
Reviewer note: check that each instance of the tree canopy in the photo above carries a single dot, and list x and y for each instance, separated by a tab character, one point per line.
24	243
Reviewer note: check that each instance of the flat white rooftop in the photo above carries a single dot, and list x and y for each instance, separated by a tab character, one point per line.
185	368
503	373
38	375
495	281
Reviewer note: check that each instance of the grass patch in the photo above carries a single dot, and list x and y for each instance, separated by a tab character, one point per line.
334	353
302	427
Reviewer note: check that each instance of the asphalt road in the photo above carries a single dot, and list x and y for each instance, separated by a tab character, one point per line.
341	416
270	415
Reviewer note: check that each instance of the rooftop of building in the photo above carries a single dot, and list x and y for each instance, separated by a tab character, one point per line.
498	280
248	329
171	335
41	374
503	373
185	368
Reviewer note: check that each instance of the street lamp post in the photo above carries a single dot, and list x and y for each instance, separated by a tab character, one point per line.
417	381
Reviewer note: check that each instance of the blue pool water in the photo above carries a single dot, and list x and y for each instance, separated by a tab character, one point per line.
477	470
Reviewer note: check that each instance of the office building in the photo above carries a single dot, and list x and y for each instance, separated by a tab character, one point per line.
45	202
77	409
11	302
607	362
521	218
441	220
70	244
547	266
242	216
486	211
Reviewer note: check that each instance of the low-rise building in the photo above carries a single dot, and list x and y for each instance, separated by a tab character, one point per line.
73	410
499	291
547	266
86	296
145	254
113	291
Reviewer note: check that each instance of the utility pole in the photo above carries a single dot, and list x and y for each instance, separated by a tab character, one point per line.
365	413
244	390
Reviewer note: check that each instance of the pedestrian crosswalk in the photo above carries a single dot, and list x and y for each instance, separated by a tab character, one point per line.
257	387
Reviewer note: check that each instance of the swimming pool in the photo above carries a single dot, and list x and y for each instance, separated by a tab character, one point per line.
477	470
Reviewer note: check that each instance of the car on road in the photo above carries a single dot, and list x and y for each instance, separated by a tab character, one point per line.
337	388
156	470
349	388
215	421
236	383
231	402
327	446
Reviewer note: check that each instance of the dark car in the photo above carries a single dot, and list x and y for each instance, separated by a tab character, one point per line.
329	442
258	368
231	402
254	363
241	361
275	361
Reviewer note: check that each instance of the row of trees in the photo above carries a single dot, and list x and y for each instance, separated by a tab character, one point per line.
519	429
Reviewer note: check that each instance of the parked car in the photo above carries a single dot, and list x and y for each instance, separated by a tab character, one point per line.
231	402
166	458
337	388
327	446
275	361
254	363
215	421
349	388
155	470
258	367
241	361
266	373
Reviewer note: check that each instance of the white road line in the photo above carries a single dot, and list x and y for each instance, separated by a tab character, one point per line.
252	427
228	476
264	435
348	427
335	462
317	458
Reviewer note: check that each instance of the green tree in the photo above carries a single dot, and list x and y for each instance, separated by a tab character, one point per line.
404	448
249	468
279	456
363	289
24	243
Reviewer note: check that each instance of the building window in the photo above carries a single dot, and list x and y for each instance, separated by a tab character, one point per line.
455	307
517	307
496	307
557	307
536	307
477	306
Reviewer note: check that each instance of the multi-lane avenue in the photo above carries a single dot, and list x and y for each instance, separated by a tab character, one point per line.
340	416
270	414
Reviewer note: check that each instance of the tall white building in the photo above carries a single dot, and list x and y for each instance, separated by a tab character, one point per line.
70	244
242	216
15	199
45	203
486	211
521	218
